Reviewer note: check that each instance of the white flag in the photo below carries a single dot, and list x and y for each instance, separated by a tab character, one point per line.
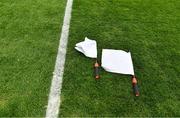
117	61
87	47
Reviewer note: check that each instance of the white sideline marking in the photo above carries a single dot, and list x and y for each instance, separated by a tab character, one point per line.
56	85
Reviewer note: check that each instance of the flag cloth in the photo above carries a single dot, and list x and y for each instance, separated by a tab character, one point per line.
117	61
88	47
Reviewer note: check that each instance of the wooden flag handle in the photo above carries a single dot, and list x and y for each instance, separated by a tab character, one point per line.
96	70
135	86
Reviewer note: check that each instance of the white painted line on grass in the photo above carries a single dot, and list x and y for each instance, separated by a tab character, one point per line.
56	85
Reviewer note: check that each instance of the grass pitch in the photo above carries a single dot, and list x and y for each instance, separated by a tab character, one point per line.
29	38
150	29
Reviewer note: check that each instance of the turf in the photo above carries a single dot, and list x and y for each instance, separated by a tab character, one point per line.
29	38
150	29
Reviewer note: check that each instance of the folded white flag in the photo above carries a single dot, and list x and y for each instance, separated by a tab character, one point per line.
117	61
87	47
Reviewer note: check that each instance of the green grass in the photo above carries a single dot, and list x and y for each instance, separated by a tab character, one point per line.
29	38
150	29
